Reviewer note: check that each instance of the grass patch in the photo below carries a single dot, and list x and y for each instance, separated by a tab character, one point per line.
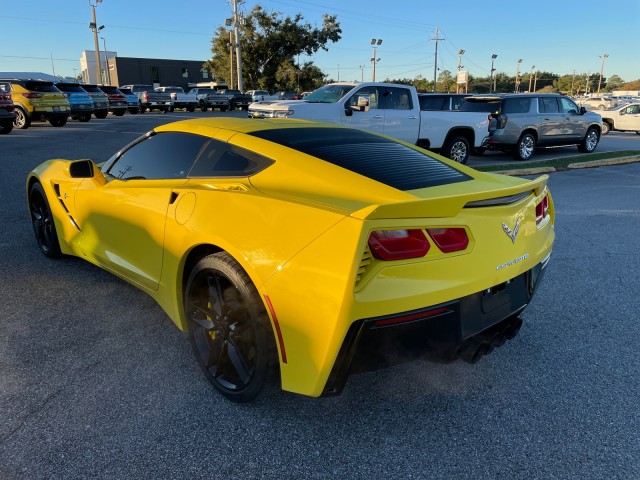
558	162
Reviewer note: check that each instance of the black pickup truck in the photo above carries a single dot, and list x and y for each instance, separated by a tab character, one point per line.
237	99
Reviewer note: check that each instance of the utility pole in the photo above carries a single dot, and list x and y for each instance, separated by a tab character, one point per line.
531	77
460	53
518	76
535	81
435	64
375	43
106	62
603	57
93	26
237	38
491	84
573	77
361	73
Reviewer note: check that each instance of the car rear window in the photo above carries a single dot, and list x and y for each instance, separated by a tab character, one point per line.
91	88
40	87
517	105
487	106
70	87
378	158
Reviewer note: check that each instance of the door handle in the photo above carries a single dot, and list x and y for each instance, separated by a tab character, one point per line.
413	117
377	116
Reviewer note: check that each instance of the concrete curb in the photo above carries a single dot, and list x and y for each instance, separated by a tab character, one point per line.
594	163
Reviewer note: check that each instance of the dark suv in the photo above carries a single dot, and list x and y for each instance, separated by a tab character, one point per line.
7	111
519	123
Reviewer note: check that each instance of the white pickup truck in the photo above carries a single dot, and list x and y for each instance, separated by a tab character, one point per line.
179	99
625	118
386	108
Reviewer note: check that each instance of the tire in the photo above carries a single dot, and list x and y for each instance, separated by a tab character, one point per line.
203	107
606	128
119	113
6	127
525	147
170	109
457	149
58	122
22	120
84	117
223	109
44	227
100	114
590	141
601	107
229	329
142	109
134	110
478	151
191	109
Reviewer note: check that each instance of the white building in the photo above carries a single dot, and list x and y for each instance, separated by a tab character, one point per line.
88	66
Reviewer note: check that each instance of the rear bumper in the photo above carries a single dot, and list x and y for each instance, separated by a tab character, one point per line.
465	328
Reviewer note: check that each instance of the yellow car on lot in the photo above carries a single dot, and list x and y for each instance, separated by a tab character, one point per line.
293	252
36	100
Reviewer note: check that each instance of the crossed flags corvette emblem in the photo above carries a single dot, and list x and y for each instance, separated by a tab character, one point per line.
512	233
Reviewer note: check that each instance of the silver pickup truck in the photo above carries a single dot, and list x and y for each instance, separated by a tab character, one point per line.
150	99
210	98
180	99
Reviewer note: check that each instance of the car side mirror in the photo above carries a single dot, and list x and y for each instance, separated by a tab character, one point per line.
81	169
583	110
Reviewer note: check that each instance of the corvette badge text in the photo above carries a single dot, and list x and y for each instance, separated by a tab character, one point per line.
512	262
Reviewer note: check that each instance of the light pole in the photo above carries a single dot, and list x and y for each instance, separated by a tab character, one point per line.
375	42
603	57
361	73
106	62
229	22
93	27
460	53
493	58
531	77
518	75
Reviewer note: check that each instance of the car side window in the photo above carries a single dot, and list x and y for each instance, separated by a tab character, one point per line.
160	156
633	109
4	87
433	102
567	106
395	98
365	97
219	159
548	105
517	105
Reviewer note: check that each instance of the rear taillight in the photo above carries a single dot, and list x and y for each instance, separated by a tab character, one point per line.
145	95
398	244
542	209
32	95
66	94
449	239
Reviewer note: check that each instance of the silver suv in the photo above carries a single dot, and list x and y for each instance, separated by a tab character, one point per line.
521	122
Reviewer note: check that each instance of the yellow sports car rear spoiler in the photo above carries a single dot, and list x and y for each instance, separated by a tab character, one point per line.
449	206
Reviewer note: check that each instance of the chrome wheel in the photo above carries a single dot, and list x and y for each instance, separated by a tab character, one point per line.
21	121
526	146
590	141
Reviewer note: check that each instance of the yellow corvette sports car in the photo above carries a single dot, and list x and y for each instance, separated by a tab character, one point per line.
293	253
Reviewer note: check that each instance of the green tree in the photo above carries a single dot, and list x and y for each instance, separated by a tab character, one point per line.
270	45
614	82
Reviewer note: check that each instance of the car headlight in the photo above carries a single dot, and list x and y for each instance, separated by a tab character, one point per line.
283	114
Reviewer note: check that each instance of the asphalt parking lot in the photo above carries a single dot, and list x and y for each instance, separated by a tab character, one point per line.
96	381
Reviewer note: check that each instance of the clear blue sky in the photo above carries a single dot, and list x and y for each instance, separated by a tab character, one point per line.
556	36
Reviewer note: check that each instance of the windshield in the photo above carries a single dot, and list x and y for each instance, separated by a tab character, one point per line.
328	94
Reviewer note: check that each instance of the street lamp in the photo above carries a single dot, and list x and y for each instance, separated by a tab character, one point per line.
493	58
460	53
603	57
375	42
106	62
361	72
518	75
531	77
93	27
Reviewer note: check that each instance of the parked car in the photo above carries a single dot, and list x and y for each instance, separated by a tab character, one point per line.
237	99
133	104
100	100
625	118
286	95
523	121
180	99
210	98
80	102
597	103
150	99
7	109
259	95
289	251
117	100
36	100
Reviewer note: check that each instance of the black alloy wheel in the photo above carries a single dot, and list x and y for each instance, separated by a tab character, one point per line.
6	127
229	329
44	227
